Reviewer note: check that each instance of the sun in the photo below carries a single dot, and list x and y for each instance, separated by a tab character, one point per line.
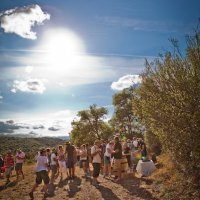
63	48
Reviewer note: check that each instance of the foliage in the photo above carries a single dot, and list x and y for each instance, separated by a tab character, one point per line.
123	120
90	126
168	102
153	143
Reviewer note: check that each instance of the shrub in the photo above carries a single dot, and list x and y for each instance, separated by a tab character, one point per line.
168	102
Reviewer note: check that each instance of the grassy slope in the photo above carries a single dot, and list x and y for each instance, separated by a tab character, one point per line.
28	145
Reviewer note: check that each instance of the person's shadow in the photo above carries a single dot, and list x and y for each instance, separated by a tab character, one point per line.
52	186
107	193
133	186
74	187
10	184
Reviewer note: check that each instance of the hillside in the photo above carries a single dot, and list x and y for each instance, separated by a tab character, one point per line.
28	145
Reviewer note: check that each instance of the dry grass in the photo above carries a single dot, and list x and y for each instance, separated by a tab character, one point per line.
169	183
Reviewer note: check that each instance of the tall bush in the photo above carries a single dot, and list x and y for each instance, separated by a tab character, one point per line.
168	102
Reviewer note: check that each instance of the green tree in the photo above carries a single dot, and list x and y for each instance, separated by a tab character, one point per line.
124	119
90	126
168	102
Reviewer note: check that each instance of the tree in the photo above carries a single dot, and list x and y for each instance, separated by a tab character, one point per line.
124	119
90	126
168	102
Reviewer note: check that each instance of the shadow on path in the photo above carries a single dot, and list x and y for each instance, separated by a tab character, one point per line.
107	193
11	184
133	186
74	187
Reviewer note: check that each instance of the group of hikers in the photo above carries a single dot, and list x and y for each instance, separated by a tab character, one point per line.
101	157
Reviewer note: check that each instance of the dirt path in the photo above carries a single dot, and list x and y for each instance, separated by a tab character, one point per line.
79	188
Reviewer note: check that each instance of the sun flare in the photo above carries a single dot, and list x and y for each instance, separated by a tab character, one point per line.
63	48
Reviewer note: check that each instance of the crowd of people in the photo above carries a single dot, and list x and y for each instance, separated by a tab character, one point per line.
104	157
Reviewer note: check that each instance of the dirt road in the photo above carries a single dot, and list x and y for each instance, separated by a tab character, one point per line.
79	188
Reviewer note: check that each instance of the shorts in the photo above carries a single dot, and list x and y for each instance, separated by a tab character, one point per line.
42	175
18	166
78	158
54	169
8	171
70	163
96	169
107	160
117	164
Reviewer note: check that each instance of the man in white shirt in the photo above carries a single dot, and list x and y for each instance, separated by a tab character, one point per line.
41	173
96	154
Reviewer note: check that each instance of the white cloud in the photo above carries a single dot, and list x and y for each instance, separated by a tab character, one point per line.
21	20
63	114
37	128
28	69
125	82
30	85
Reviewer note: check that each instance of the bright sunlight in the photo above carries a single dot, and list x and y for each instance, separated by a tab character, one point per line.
63	48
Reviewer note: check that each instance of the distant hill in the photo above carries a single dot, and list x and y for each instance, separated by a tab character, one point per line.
28	145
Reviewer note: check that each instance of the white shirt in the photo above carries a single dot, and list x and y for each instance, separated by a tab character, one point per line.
108	148
83	154
53	156
135	143
96	157
41	163
21	156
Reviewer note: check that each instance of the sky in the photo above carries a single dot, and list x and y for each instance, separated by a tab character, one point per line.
58	57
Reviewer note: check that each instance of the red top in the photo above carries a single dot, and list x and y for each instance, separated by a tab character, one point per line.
8	161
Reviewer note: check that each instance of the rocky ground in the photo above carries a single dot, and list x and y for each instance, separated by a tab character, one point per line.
80	188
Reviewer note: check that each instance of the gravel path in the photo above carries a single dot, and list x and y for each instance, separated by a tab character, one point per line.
79	189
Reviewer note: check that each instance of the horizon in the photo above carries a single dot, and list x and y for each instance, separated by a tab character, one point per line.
70	55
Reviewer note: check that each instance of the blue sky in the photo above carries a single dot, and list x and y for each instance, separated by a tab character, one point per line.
58	57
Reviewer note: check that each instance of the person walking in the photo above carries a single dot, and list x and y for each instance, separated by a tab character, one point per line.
96	161
41	173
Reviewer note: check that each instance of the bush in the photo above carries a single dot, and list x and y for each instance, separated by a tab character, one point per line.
153	143
168	102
